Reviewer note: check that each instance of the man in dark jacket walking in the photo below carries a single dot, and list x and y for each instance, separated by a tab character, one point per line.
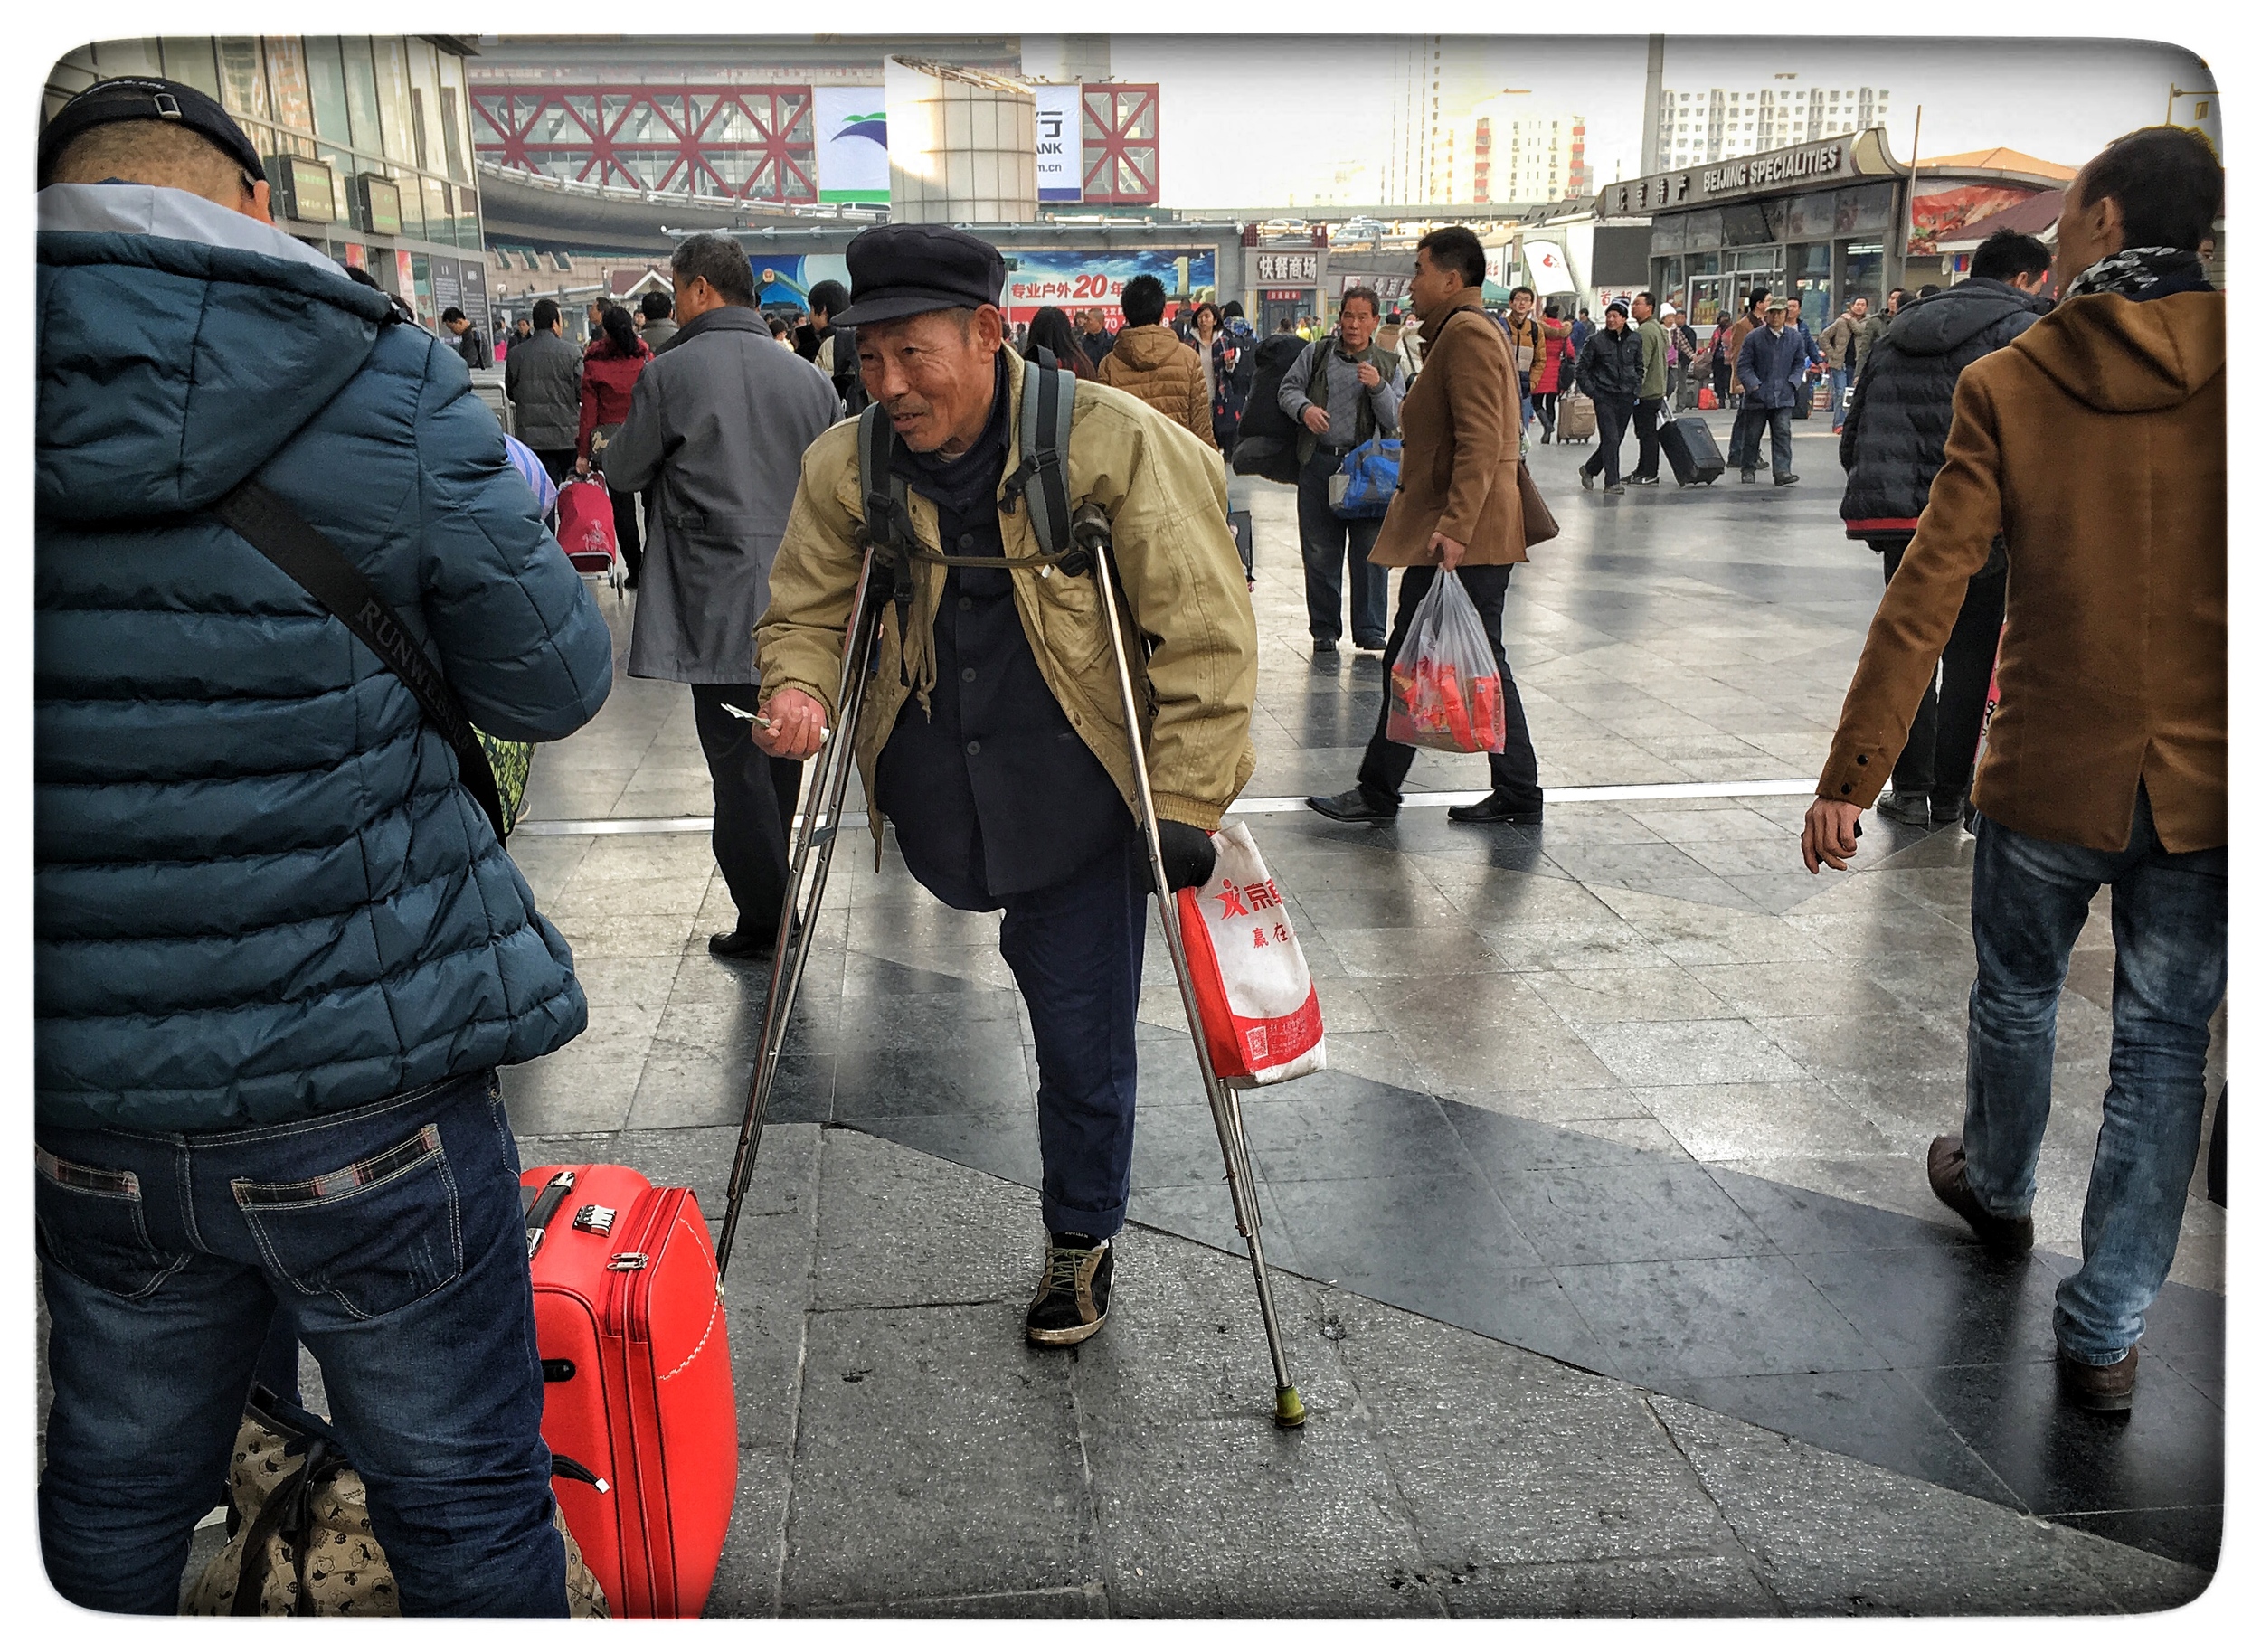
1894	441
715	432
1769	367
470	343
541	378
278	953
1609	371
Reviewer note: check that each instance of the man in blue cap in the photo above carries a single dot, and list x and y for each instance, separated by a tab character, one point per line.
278	951
1009	781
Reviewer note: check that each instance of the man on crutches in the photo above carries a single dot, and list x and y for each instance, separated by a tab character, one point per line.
992	731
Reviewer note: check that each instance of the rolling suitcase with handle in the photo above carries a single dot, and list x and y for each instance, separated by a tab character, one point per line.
1574	418
1691	451
636	1380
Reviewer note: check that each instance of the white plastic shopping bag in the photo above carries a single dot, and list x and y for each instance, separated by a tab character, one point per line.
1259	1008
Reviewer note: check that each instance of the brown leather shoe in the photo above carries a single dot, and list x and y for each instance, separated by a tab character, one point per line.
1951	1180
2097	1388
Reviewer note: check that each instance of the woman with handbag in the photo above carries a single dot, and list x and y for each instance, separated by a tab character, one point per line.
608	383
1546	378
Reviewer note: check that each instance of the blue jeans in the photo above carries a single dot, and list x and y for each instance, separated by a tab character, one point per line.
2170	923
1750	420
1328	541
1837	398
391	1237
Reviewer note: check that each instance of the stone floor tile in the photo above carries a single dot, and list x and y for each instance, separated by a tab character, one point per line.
1805	1513
1760	1121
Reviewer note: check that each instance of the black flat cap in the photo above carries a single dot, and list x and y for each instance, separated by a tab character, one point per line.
900	269
141	98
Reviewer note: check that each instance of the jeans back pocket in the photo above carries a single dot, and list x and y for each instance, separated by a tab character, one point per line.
374	1236
90	1224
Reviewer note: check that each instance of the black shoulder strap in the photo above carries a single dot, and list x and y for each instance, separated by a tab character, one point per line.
299	548
1047	413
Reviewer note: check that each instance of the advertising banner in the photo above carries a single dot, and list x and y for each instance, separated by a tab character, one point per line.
1059	143
1940	214
785	277
1549	270
851	143
1074	280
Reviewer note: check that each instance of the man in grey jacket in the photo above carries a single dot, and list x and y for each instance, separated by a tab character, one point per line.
1342	389
542	377
716	431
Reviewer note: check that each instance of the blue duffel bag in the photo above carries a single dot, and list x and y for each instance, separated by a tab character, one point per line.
1361	488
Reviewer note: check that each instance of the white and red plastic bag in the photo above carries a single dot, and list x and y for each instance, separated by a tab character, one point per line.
1259	1007
1444	690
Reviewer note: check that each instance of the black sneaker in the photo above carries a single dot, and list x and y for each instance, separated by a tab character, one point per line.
1071	1301
1325	645
743	943
1585	478
1911	809
1785	479
1750	476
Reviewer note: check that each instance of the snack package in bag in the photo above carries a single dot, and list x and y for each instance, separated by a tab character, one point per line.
1444	686
1259	1009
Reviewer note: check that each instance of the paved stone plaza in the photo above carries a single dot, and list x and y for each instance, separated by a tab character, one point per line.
1618	1287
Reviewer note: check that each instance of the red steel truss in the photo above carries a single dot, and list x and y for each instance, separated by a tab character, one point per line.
1122	144
755	142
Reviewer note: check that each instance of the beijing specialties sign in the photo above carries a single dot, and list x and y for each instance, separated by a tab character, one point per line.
1747	175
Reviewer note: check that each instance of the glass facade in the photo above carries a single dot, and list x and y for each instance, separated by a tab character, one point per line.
1823	246
383	108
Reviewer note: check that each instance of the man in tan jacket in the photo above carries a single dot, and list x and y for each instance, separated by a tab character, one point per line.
2096	444
1457	507
1151	362
992	731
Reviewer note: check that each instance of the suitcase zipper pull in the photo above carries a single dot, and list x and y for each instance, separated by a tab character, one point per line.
628	1261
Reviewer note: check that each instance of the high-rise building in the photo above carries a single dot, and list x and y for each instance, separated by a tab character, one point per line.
1504	150
1697	128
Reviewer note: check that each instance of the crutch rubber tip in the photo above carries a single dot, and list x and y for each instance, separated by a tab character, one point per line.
1288	1412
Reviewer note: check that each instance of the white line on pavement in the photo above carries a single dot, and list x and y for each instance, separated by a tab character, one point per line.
1665	792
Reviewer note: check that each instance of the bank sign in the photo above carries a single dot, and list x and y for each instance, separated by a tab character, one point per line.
1748	175
1060	143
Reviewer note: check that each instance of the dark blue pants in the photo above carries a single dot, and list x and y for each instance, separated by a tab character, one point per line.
1076	948
2170	924
1328	541
391	1236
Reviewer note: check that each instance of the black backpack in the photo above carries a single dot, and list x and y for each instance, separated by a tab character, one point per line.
1267	441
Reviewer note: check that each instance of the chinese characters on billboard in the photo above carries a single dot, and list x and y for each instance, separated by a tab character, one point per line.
1081	280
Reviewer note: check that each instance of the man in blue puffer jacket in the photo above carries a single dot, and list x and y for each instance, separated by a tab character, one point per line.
280	952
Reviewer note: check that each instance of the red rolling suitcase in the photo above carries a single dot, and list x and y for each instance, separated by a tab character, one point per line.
584	527
636	1380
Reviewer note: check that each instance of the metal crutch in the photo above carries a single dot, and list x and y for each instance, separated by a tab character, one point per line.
1092	531
804	891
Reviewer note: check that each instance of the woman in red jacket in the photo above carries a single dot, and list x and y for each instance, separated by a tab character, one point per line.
608	379
1547	377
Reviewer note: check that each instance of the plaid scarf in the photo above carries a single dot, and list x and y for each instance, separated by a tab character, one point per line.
2134	271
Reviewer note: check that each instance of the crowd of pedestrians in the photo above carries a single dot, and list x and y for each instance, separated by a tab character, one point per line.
279	963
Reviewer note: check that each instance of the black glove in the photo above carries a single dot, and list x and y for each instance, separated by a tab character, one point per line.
1189	855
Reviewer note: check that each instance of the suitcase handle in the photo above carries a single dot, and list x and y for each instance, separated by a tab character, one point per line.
539	1217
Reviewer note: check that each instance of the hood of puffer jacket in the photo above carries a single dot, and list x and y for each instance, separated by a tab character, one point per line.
2120	355
1147	348
180	345
1946	321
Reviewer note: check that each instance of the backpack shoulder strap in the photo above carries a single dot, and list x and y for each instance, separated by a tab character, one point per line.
1047	415
886	499
323	571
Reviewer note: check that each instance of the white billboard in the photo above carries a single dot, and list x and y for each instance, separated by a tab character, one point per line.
1550	272
851	143
1059	143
